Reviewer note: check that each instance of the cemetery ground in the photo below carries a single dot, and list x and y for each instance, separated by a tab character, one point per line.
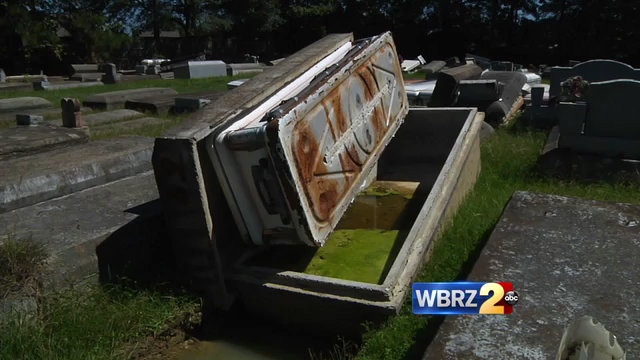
156	319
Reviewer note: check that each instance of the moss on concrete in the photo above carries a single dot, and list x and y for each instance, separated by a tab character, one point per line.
354	254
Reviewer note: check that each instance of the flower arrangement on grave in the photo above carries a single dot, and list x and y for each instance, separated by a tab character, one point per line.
574	89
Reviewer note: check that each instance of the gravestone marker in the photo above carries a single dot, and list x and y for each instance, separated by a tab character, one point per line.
71	114
111	75
3	76
141	69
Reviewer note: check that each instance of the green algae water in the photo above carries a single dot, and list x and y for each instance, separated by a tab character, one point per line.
364	243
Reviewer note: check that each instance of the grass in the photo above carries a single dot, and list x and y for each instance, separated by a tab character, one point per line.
95	323
20	261
508	164
179	85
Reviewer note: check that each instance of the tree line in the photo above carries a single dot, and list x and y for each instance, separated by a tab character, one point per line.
42	34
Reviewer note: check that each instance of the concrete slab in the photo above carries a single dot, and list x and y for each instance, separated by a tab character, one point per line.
129	124
105	117
14	86
23	103
71	227
27	140
567	257
162	105
28	180
52	86
113	99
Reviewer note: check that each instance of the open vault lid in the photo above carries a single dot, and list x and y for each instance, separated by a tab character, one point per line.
291	166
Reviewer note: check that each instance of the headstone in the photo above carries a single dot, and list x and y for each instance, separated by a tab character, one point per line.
111	75
502	66
3	76
200	69
446	90
452	61
28	119
40	85
141	69
537	96
71	114
410	65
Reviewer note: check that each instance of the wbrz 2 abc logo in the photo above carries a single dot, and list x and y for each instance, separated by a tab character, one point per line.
451	298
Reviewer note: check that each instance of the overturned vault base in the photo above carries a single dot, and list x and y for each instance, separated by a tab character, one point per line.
438	148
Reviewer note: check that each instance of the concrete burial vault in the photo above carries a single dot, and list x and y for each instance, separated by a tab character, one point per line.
274	164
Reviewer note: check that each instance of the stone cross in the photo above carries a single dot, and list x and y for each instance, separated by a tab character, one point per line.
71	115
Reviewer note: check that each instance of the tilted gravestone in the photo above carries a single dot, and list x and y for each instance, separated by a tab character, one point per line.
592	71
71	115
446	90
510	95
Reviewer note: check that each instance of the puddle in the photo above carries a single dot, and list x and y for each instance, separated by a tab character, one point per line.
365	242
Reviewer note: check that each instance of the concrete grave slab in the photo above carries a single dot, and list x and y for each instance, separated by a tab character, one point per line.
113	99
26	78
129	125
200	69
235	83
84	68
38	177
3	76
592	71
26	140
51	86
72	227
105	117
86	77
248	68
15	86
23	103
565	257
165	104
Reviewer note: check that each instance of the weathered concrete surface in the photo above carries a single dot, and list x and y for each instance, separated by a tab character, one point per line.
28	180
71	227
23	103
105	117
179	170
15	86
162	105
52	86
25	140
112	99
567	257
129	124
